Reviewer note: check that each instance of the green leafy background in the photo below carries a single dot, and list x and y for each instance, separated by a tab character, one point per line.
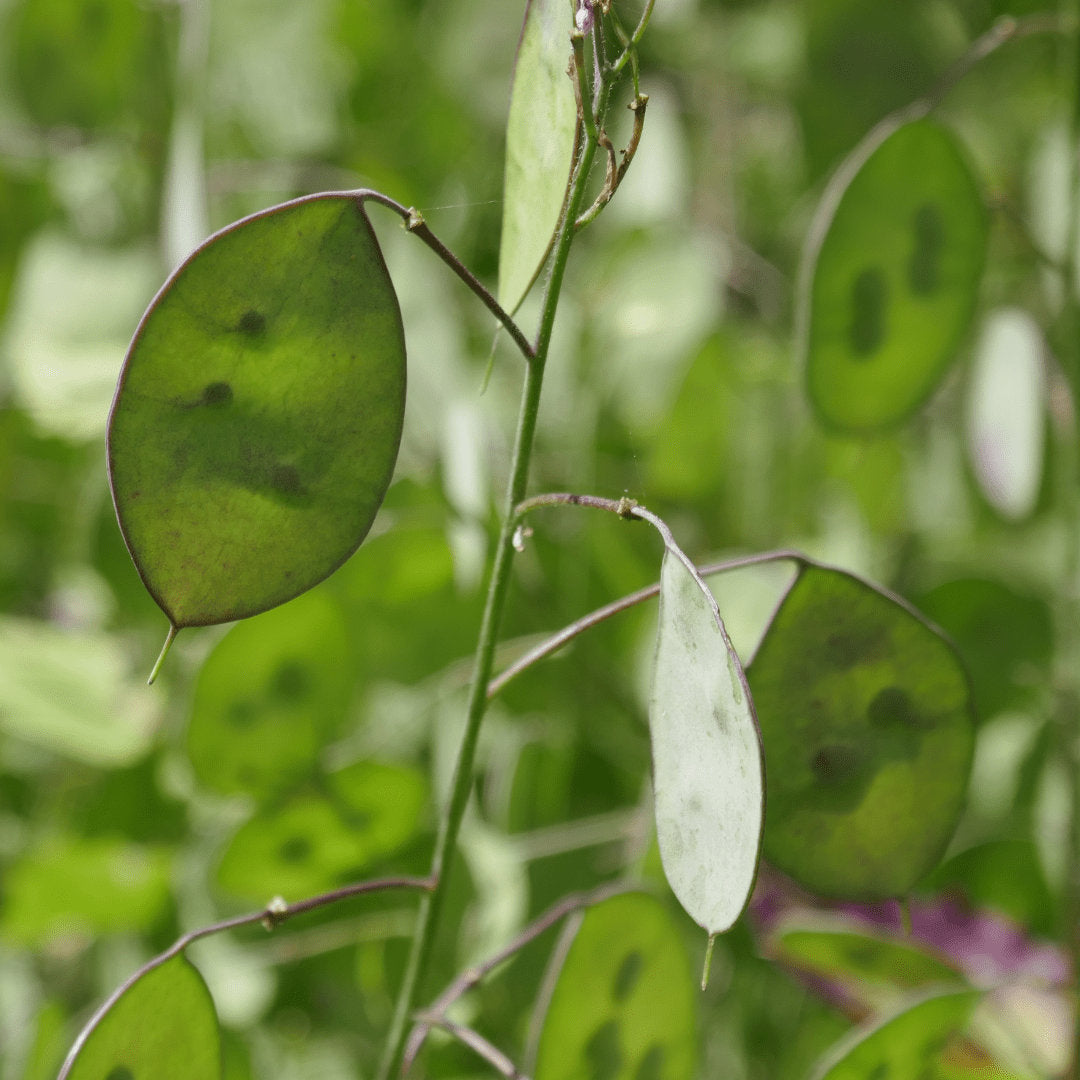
129	131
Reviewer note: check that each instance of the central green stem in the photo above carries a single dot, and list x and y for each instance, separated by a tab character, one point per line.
498	586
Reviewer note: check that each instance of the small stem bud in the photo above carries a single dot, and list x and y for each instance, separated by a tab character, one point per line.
275	914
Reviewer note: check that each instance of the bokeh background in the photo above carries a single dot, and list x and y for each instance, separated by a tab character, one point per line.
312	745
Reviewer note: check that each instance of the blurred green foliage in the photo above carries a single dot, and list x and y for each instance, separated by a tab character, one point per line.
129	130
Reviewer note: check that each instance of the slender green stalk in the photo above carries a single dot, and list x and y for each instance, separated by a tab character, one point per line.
708	963
169	639
498	586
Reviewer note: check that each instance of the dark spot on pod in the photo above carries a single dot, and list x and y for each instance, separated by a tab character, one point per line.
835	764
924	271
296	849
844	650
892	706
291	681
242	713
869	298
880	1072
627	976
252	323
286	480
652	1064
119	1072
603	1052
357	820
217	393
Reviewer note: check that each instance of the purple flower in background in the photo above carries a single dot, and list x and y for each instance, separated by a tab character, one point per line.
987	947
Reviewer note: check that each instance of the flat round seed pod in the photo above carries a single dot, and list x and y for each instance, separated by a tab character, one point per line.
897	253
868	727
258	415
162	1027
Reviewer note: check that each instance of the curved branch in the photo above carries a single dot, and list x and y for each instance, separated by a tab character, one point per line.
272	916
480	1046
616	170
625	508
435	1014
414	222
567	634
1007	28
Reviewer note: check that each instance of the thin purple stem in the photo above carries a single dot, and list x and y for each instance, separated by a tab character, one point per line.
272	916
